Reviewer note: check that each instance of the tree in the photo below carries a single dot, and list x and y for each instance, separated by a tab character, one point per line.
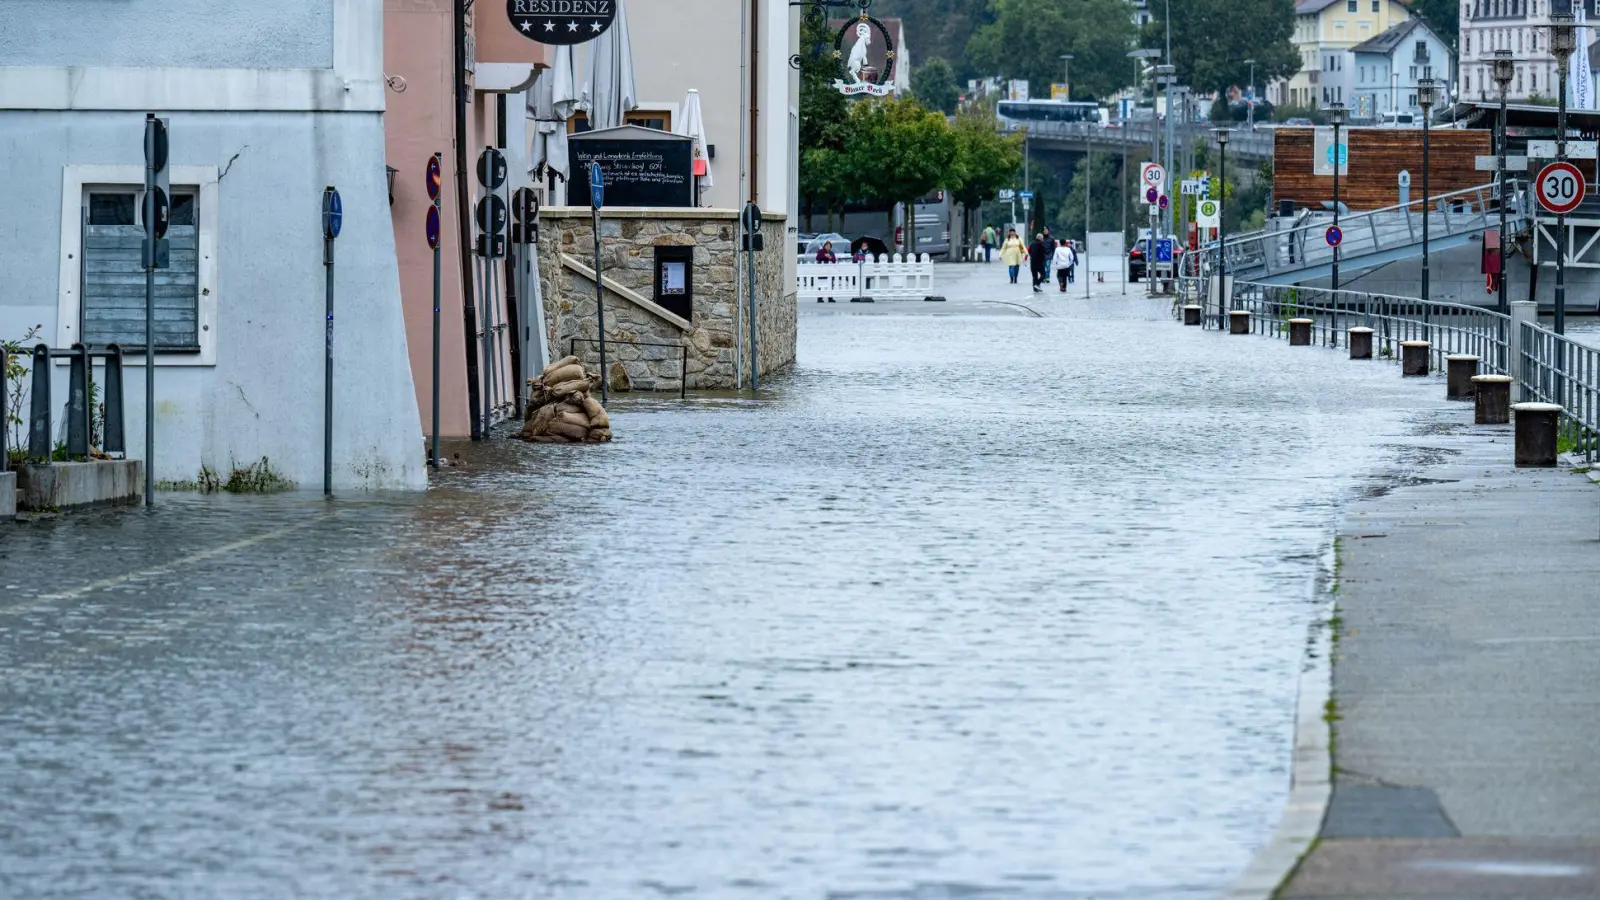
822	108
988	162
824	181
1028	38
899	151
934	83
1105	195
1211	39
940	28
1443	16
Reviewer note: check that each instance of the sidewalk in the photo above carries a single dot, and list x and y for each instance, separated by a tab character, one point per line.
1466	681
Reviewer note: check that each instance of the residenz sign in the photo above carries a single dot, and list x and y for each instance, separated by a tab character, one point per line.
561	21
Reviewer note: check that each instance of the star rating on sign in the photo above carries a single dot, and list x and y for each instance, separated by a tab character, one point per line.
594	26
550	26
526	25
573	25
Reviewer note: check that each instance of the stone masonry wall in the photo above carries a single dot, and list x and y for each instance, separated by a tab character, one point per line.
628	237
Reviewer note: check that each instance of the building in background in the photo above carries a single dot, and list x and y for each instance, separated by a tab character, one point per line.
1324	30
267	104
1523	27
1387	69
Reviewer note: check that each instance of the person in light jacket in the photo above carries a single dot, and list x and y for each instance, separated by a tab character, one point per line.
1066	259
1012	253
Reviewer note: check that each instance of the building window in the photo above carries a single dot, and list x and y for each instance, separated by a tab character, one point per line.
1411	100
113	273
659	119
1350	6
1467	42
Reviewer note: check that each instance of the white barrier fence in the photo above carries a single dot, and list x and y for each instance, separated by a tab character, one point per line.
881	278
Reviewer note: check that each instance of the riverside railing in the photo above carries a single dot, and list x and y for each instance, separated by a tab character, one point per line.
1450	328
1554	369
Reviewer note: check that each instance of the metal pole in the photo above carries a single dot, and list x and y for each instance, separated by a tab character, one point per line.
750	268
433	450
149	310
1505	305
1088	177
1561	220
1223	295
600	308
1427	209
327	375
1338	157
1123	139
1250	106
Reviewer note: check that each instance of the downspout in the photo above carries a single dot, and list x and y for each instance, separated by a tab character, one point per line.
469	309
508	268
744	192
755	101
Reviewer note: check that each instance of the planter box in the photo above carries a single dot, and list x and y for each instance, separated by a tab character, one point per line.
68	484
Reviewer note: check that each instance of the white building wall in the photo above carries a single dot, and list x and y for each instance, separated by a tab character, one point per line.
274	137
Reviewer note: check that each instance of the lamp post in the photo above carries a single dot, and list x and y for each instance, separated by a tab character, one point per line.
1563	40
1337	116
1250	113
1066	65
1504	68
1166	79
1427	94
1224	296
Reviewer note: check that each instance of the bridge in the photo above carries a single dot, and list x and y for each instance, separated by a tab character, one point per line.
1245	147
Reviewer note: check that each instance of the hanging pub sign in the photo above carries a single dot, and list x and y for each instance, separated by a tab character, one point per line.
561	21
864	69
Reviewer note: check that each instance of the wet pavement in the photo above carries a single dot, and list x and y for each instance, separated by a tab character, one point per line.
1005	596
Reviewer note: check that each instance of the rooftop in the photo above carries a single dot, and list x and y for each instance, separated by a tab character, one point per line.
1387	41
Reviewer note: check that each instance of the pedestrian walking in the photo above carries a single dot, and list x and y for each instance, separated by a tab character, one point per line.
1065	259
1012	253
1038	261
987	240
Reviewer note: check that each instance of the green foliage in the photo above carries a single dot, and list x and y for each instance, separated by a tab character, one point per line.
934	83
255	478
822	107
1443	16
824	182
1105	198
1211	39
899	151
940	28
1028	38
1285	113
16	381
989	160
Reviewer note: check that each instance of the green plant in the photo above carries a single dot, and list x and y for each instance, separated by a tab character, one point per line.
16	381
254	478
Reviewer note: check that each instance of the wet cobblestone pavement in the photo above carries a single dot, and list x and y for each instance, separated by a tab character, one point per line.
976	602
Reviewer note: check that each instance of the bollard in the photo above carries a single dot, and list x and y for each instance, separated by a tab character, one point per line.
1239	321
1299	332
1460	369
1493	400
1414	357
1360	343
1538	425
1191	314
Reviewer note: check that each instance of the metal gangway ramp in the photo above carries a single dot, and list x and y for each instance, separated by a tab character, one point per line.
1294	251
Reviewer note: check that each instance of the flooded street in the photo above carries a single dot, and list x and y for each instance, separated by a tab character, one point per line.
1000	597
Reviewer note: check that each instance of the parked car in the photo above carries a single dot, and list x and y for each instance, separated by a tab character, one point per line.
1138	265
1297	120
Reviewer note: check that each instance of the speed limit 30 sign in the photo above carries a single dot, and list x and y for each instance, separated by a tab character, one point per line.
1559	187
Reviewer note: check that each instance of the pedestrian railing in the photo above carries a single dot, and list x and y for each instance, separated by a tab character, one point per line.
1555	369
1450	328
895	277
80	407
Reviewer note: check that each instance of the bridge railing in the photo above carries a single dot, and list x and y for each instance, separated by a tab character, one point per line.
1256	144
1555	369
1305	246
1449	328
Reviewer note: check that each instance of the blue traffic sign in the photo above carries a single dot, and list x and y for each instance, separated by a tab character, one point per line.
1150	195
597	186
1164	250
1025	195
432	226
332	212
1334	236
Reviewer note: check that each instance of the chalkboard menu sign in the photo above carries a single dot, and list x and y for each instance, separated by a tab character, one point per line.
652	171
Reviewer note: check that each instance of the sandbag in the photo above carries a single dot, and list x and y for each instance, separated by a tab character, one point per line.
599	435
569	430
568	388
596	413
574	418
548	439
539	422
561	363
564	374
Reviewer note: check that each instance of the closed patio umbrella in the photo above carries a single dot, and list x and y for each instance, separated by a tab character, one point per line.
609	91
553	100
693	124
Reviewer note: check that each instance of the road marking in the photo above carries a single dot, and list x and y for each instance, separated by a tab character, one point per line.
105	583
1551	639
1036	313
1506	868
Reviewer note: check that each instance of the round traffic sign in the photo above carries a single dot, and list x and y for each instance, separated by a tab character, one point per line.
1154	174
1150	195
491	214
435	179
332	213
1559	187
1162	202
1333	235
433	227
491	168
525	206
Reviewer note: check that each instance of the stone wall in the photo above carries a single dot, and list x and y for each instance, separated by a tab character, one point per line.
713	333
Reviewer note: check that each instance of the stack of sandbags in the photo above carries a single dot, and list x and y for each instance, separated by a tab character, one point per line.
560	410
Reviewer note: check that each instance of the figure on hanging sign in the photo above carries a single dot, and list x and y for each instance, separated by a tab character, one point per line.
861	71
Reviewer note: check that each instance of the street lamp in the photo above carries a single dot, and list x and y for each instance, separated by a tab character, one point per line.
1066	64
1427	95
1337	117
1224	296
1563	41
1251	113
1166	78
1504	68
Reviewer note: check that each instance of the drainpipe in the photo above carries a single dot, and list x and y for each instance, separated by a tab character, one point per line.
469	309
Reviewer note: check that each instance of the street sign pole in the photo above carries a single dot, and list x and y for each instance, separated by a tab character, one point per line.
149	309
596	201
332	221
435	185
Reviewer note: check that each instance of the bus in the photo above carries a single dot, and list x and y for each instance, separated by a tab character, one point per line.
867	225
1013	113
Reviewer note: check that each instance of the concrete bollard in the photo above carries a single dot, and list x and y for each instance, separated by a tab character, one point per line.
1460	369
1191	314
1360	343
1414	357
1493	399
1538	426
1299	332
1239	321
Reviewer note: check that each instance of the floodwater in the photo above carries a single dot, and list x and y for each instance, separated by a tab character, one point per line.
977	602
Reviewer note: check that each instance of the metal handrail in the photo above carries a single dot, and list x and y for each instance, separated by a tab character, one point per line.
1555	369
683	357
1303	246
1450	328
